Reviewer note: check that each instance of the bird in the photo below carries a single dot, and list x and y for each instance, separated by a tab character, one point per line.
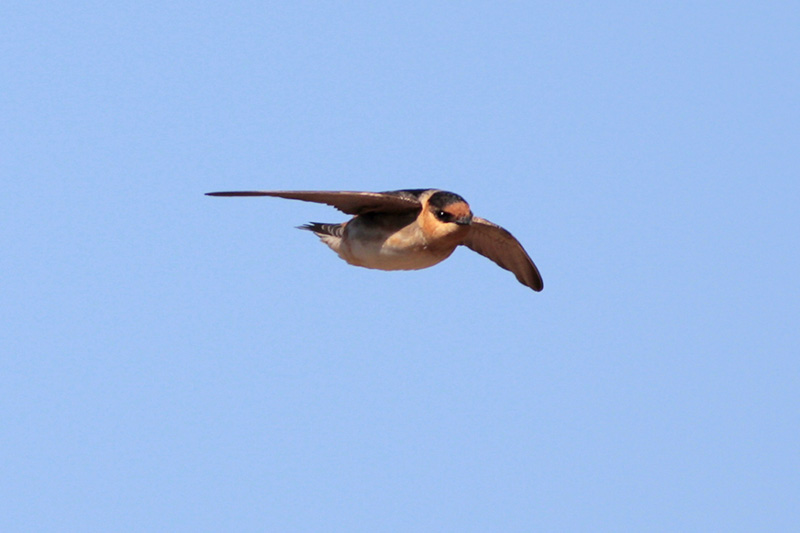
409	229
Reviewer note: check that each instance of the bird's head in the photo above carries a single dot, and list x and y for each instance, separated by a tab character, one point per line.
445	214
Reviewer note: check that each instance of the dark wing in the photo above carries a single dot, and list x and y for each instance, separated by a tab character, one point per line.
350	202
494	242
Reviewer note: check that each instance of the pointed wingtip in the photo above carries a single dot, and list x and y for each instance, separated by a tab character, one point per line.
239	193
537	284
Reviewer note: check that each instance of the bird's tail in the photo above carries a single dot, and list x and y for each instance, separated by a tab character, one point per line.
321	229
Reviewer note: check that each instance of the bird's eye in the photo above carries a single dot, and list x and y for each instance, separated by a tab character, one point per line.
442	215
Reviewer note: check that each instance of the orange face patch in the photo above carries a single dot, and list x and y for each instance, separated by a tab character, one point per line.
438	234
458	209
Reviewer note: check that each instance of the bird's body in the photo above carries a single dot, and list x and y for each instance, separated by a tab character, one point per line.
392	241
409	230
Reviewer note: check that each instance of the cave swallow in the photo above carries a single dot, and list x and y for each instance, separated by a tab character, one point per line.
409	230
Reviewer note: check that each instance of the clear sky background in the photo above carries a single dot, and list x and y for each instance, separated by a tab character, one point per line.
175	362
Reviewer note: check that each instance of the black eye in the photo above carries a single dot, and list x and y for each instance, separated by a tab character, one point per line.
442	215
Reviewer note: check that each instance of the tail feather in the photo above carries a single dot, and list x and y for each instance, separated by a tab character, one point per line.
321	229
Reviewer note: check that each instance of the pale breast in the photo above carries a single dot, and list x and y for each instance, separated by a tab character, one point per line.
390	243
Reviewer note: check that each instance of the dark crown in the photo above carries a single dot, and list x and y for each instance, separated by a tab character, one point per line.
444	198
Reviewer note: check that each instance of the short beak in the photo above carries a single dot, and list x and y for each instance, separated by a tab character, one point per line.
464	221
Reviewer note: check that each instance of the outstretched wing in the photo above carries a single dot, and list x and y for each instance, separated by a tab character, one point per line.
494	242
350	202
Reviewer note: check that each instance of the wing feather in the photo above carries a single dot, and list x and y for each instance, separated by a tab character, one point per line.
496	243
350	202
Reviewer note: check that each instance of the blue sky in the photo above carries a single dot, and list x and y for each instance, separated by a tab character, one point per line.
174	362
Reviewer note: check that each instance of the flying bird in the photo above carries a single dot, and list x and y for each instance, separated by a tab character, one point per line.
409	229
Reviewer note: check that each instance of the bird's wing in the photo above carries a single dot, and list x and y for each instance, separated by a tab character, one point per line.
350	202
494	242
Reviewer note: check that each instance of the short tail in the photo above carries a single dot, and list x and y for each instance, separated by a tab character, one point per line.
334	230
